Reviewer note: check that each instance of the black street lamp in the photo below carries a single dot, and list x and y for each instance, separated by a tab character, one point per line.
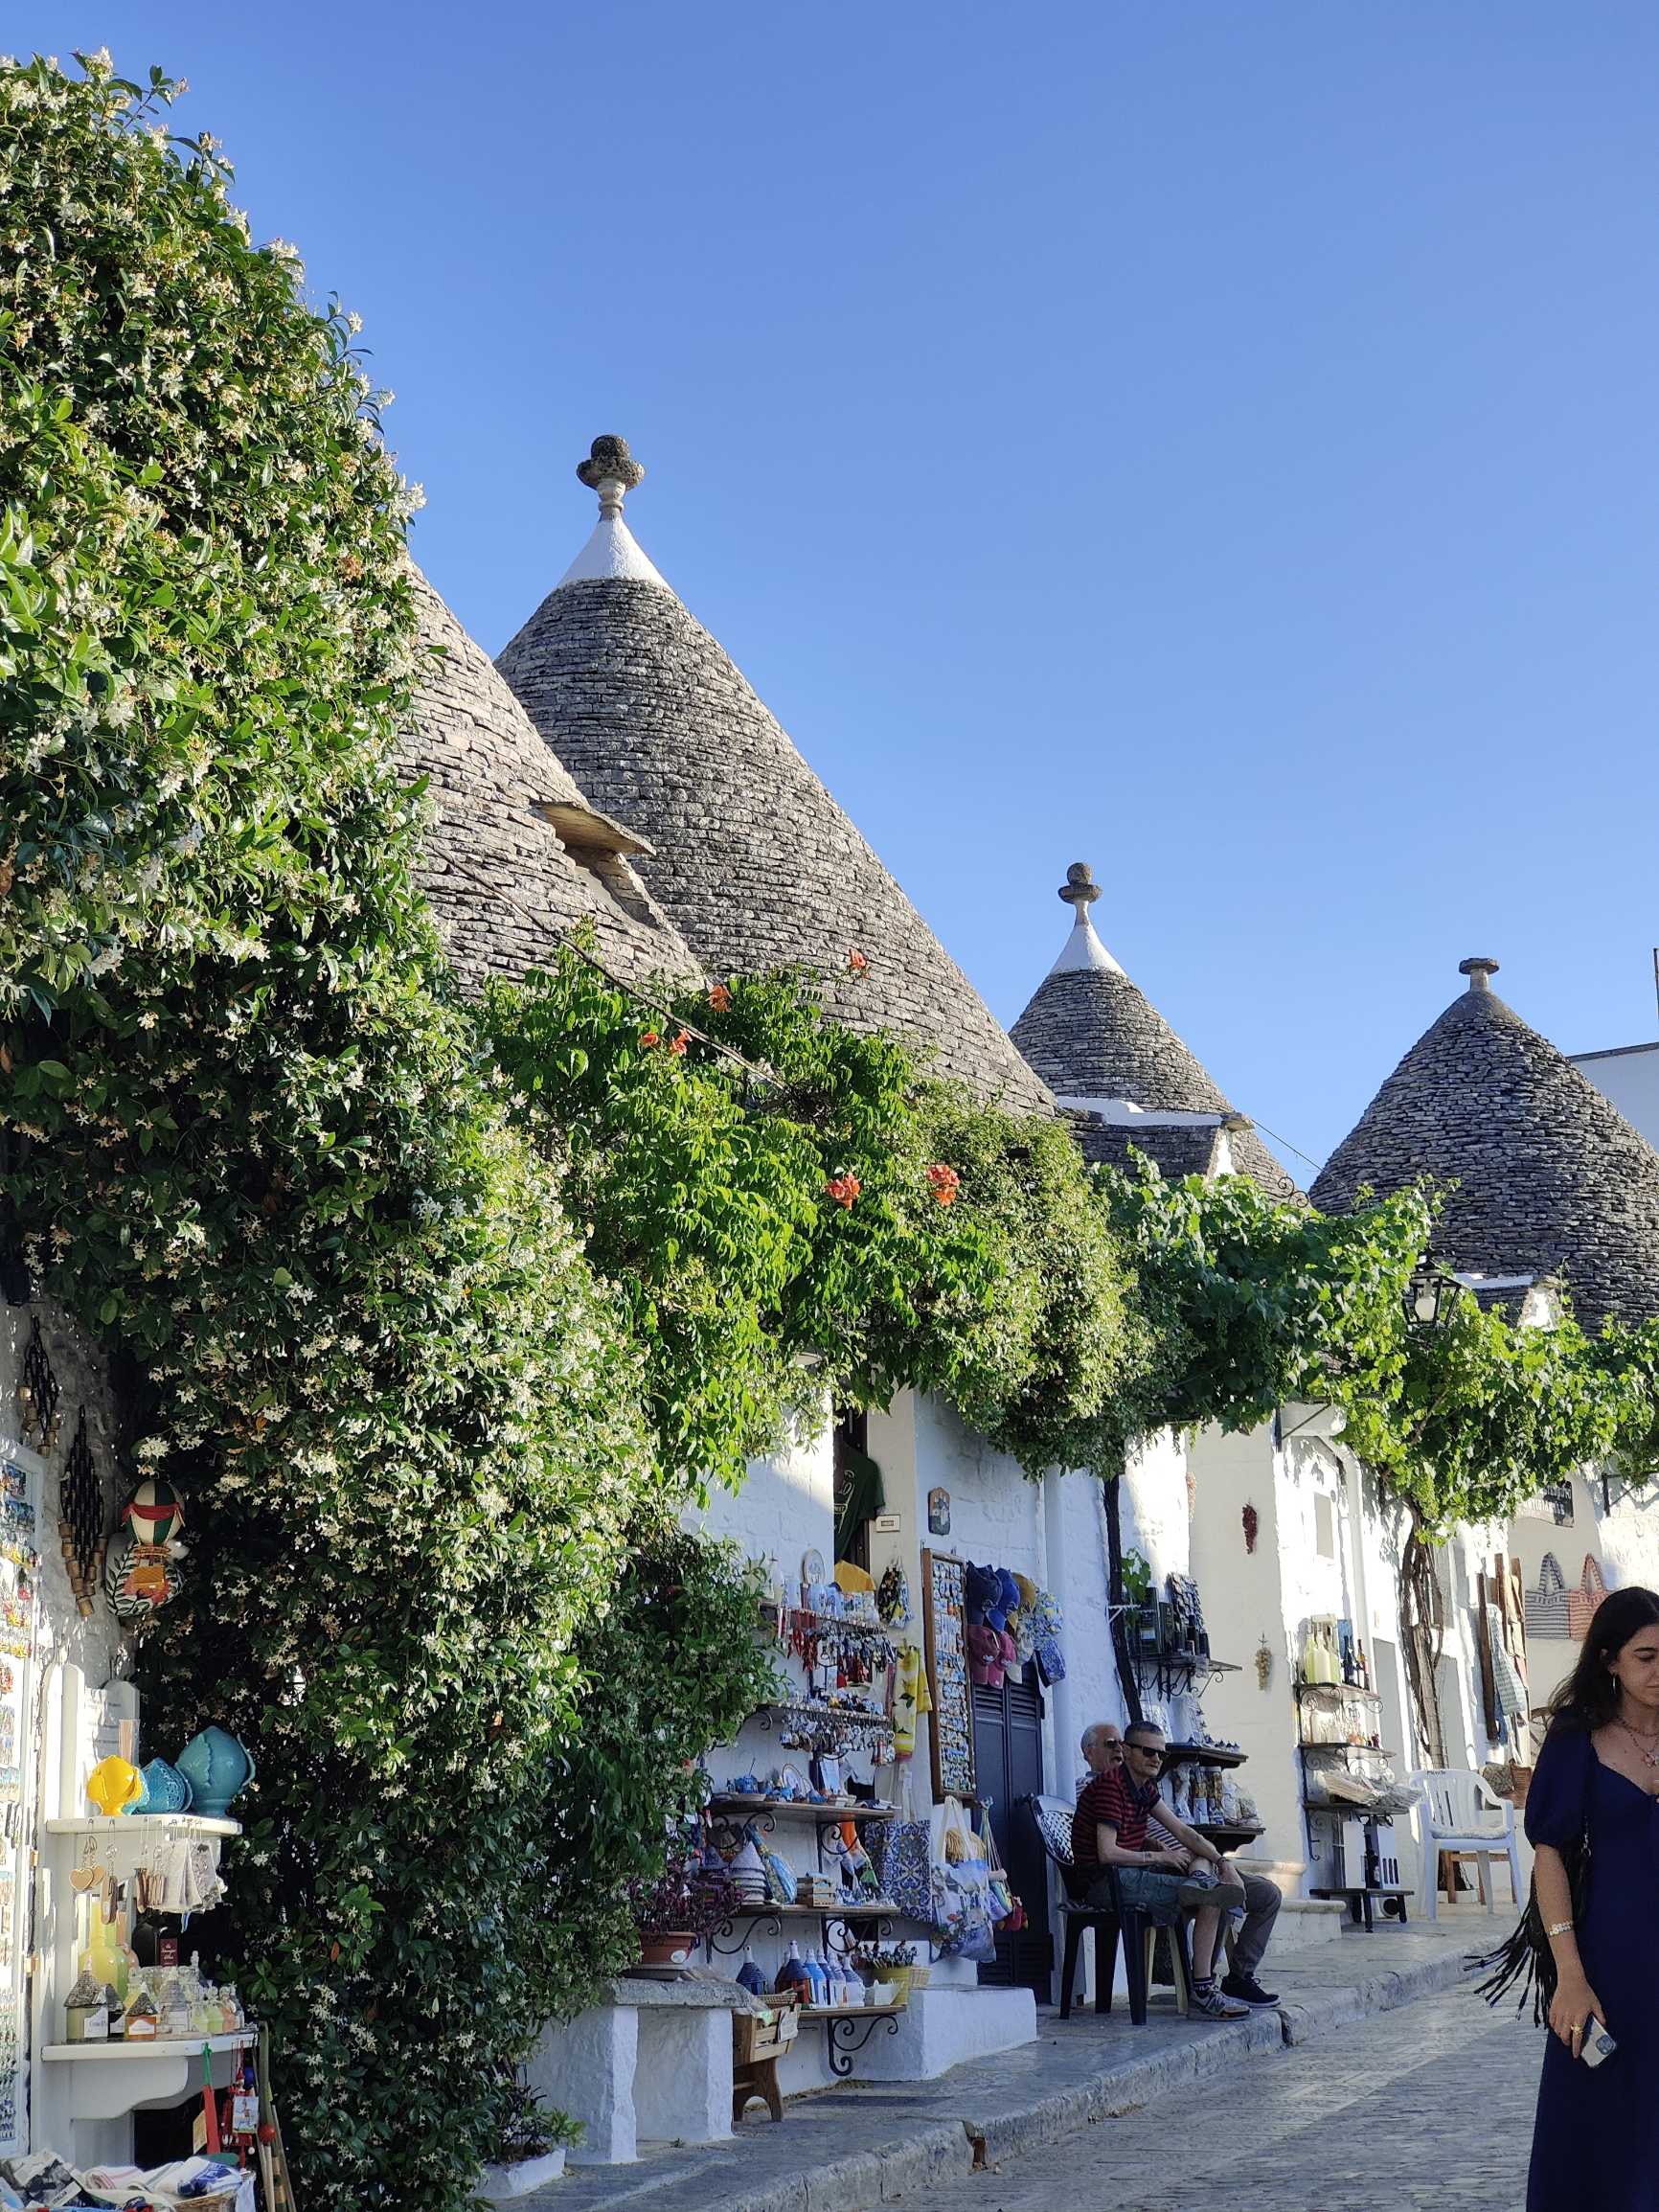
1427	1294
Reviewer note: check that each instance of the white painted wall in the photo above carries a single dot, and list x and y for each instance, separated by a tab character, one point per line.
93	1643
1625	1542
1628	1076
1247	1598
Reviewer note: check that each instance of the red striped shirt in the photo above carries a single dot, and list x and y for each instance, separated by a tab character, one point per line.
1116	1802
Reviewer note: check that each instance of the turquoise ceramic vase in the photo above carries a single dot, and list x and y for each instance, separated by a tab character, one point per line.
215	1765
165	1789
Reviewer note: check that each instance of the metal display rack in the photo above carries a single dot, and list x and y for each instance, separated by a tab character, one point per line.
1362	1897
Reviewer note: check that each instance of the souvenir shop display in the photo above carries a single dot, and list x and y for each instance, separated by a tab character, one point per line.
143	1571
1167	1643
168	2004
1350	1792
38	1393
892	1597
81	1520
217	1767
23	1472
959	1914
1547	1604
944	1634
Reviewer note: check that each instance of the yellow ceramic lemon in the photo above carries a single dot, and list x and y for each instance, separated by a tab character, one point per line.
114	1784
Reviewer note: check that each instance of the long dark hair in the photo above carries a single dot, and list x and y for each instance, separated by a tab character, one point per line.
1589	1698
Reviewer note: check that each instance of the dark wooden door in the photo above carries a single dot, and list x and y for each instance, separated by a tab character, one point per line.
1007	1755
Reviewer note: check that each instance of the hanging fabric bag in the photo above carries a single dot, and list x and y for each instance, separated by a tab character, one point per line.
1005	1907
1547	1604
1583	1603
902	1853
960	1917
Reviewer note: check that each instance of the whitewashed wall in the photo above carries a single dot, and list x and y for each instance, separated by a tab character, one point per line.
1625	1540
1247	1597
93	1643
1629	1076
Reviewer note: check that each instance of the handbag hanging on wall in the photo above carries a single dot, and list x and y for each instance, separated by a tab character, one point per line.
1583	1603
1547	1604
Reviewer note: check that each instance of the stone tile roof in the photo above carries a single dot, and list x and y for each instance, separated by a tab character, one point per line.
504	888
1551	1179
754	860
1174	1149
1092	1035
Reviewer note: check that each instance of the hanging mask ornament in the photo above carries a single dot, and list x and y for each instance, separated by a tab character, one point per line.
142	1574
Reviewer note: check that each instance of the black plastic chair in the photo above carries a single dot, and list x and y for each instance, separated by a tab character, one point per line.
1111	1923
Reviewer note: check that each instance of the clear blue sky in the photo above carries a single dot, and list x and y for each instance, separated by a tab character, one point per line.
1215	442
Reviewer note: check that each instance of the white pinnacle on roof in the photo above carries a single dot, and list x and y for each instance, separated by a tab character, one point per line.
613	550
1082	947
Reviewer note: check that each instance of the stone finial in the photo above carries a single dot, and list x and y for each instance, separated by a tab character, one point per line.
1480	971
1079	890
611	471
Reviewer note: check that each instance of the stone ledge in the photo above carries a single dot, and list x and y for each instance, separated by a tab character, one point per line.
1323	2010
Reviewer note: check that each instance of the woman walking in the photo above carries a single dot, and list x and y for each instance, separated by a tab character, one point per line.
1593	1818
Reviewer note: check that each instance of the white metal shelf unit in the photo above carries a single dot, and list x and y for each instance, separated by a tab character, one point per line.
83	2094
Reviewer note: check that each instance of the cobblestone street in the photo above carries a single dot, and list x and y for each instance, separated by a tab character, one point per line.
1430	2106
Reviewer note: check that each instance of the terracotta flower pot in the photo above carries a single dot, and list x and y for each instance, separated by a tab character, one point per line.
670	1947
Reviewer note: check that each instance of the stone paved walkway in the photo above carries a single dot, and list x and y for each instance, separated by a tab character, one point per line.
1049	2104
1430	2106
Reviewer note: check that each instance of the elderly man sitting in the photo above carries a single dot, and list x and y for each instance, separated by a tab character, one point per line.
1112	1827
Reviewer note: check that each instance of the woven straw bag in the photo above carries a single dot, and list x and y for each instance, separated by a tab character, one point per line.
1547	1604
1581	1603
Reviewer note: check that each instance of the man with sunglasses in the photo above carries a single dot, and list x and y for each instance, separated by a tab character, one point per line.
1111	1827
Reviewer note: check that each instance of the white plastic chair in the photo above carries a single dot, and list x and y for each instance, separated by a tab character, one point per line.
1463	1814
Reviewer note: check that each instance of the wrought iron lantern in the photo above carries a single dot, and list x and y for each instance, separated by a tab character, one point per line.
1428	1295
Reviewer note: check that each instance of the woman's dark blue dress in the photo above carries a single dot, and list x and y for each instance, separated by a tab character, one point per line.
1595	2142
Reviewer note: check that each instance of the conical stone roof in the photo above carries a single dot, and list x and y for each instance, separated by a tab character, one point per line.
753	860
1551	1179
505	889
1100	1045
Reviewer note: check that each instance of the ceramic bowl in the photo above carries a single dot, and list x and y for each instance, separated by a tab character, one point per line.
165	1789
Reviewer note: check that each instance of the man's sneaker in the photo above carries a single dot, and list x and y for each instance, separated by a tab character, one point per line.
1209	2005
1248	1989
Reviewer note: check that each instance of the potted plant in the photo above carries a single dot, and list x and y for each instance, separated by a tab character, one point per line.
530	2143
685	1904
889	1966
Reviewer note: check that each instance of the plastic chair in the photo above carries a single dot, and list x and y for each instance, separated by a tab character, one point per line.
1053	1819
1464	1817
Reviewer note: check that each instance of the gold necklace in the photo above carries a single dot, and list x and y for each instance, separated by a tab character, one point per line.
1650	1757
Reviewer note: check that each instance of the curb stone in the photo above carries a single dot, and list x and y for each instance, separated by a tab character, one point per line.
1318	2014
1136	2082
939	2154
1002	2125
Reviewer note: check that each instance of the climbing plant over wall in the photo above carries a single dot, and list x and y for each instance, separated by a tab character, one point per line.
1251	1304
438	1316
811	1215
248	1136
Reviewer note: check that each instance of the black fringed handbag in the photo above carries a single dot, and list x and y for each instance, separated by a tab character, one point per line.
1526	1962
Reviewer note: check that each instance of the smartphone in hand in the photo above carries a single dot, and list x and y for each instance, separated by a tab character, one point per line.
1598	2043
